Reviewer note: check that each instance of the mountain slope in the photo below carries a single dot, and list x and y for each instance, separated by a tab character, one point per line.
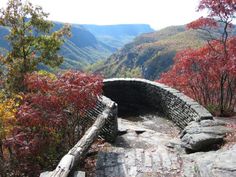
80	50
150	54
117	36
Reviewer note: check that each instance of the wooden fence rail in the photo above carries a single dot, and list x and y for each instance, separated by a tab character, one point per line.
70	161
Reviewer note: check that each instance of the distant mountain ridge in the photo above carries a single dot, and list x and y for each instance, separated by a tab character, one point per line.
84	47
118	35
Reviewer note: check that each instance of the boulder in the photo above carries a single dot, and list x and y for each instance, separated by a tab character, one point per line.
204	135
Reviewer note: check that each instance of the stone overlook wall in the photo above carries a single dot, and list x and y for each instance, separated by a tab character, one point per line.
137	95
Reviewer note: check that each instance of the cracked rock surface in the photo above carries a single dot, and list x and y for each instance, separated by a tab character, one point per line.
150	146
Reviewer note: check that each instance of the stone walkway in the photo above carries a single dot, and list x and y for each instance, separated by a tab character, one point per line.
120	162
141	150
149	146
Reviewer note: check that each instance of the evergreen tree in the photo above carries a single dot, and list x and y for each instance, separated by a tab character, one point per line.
32	41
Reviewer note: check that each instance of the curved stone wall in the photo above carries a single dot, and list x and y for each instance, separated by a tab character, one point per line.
136	95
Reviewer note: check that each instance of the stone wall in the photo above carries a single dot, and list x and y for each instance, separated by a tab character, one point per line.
110	129
135	96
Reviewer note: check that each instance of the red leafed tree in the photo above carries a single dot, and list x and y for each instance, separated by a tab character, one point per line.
208	74
48	118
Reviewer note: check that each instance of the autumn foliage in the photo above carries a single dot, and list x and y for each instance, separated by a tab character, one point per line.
197	73
47	121
208	74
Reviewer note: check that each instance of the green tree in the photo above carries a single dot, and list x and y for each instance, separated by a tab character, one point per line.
32	41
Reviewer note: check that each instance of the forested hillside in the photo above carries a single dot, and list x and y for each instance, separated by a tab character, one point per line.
150	54
82	48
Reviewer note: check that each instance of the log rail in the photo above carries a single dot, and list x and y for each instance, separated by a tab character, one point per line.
105	126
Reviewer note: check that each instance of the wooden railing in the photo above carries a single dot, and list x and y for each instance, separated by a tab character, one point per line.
99	128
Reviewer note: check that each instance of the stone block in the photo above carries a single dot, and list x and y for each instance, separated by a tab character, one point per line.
79	174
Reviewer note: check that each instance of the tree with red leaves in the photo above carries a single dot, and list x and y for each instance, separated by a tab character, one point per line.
208	74
47	122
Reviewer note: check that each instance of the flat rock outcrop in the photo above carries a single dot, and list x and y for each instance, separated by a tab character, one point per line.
211	164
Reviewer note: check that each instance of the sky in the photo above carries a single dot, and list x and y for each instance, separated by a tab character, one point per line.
157	13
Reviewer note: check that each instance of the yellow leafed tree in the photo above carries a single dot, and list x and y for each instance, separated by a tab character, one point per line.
8	108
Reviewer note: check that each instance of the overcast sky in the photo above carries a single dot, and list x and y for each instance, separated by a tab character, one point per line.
157	13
